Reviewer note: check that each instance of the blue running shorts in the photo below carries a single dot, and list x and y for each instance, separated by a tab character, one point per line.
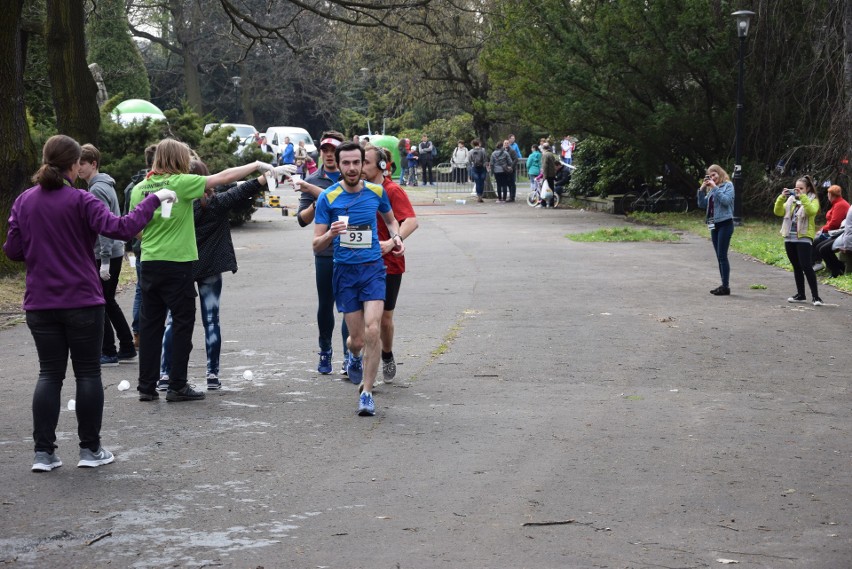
356	284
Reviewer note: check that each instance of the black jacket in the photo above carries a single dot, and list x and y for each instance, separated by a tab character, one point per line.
213	230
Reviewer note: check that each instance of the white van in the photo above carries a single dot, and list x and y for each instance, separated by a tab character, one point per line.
275	136
244	134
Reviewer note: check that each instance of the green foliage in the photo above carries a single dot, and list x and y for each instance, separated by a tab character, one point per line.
111	46
444	134
622	234
604	167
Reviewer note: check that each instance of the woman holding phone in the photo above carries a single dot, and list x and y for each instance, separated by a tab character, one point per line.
799	207
716	195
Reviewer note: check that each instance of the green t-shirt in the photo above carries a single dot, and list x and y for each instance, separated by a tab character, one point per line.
170	239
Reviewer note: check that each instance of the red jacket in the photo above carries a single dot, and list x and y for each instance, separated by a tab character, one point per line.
835	215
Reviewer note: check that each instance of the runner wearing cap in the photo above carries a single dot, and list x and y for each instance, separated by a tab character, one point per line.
377	167
311	188
359	272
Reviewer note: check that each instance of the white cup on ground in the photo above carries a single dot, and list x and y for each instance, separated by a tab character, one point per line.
166	209
123	385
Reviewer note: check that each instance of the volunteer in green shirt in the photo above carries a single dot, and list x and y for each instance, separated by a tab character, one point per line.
168	250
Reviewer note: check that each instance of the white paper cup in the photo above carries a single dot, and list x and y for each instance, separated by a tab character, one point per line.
295	179
132	260
166	209
72	405
271	182
344	219
123	385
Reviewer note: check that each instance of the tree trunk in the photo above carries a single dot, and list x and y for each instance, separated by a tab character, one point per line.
187	40
847	78
74	89
17	155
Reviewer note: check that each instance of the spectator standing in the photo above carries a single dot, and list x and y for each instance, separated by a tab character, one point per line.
52	229
301	152
501	165
533	165
513	170
412	159
403	147
479	167
834	217
567	149
215	256
288	154
311	189
549	162
716	195
799	207
168	253
514	147
135	244
109	254
460	162
425	155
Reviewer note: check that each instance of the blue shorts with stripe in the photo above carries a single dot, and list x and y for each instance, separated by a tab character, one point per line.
355	284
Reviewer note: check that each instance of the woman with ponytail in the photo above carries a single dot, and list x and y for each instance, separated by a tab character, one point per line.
53	228
799	207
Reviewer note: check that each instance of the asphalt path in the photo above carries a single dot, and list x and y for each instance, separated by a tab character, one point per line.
558	404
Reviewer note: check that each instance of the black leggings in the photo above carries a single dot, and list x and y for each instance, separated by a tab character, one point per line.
799	253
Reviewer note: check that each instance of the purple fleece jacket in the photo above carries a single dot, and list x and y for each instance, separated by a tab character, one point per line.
54	233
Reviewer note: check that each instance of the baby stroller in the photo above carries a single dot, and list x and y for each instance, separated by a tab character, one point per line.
534	197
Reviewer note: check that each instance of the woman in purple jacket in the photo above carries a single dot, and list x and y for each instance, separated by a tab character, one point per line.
52	229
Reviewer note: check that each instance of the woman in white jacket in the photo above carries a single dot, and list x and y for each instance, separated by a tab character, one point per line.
460	163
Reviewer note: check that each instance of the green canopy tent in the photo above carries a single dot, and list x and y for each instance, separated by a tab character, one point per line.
391	144
136	110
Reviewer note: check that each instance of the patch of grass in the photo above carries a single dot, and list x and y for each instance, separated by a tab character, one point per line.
623	234
758	238
758	287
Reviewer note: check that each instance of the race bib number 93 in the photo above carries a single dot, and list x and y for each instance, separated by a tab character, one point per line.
357	237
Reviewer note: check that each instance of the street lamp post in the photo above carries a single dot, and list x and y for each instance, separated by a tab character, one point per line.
743	18
236	81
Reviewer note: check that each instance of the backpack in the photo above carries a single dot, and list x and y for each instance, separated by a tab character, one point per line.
477	157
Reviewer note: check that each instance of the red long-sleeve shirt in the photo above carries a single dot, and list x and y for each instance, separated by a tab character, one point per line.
835	215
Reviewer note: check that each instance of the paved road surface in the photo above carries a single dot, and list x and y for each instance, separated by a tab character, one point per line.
597	389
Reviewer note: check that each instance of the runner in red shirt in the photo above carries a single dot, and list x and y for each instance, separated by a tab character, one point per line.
376	169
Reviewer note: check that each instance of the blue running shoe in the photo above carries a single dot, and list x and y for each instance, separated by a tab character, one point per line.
324	366
366	406
109	361
355	369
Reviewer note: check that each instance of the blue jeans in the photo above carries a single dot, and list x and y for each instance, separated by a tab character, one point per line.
478	175
721	237
56	333
325	307
209	295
